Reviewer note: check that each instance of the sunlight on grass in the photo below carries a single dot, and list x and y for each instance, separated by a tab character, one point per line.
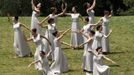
121	42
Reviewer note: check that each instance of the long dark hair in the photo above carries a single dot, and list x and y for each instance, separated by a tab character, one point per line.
98	48
16	18
50	20
52	9
76	8
34	30
55	33
92	32
98	27
85	5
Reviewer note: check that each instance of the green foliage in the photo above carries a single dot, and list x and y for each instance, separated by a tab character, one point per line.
15	7
128	12
129	3
23	7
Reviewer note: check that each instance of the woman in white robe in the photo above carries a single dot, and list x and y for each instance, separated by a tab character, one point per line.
98	37
98	67
60	61
87	64
42	62
54	16
40	46
21	46
34	18
105	24
89	9
76	38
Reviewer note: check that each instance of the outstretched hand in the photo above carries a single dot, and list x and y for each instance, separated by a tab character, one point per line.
110	30
31	1
29	66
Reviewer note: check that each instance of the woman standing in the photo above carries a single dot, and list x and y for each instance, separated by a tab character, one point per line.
21	47
38	39
90	11
86	30
105	31
99	67
76	38
35	14
88	57
60	61
53	14
98	37
50	30
43	62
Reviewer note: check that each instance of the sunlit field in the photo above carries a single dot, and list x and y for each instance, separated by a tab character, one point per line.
121	48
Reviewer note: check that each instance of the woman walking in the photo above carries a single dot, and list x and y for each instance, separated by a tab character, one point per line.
34	19
76	38
21	46
105	30
60	61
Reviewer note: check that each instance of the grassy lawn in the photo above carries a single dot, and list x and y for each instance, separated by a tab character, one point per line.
121	42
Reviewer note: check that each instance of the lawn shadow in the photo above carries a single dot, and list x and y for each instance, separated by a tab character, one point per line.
66	48
116	52
114	65
70	70
71	48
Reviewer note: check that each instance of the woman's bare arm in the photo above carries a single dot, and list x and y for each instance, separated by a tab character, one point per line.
34	62
40	23
23	25
34	7
92	7
106	36
63	11
108	59
63	34
89	39
9	19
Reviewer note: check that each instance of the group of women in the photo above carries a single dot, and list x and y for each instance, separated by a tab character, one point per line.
93	37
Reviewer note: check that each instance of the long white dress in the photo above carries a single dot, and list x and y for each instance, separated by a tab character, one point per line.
86	29
39	47
105	31
35	22
51	30
97	40
55	17
99	68
91	16
76	38
43	67
60	61
88	57
20	44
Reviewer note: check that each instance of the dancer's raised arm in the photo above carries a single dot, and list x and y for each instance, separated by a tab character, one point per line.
9	19
63	10
111	13
34	62
92	7
109	59
106	36
23	25
40	23
65	43
89	39
63	34
34	8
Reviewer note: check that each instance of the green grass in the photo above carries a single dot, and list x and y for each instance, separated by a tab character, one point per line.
121	42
